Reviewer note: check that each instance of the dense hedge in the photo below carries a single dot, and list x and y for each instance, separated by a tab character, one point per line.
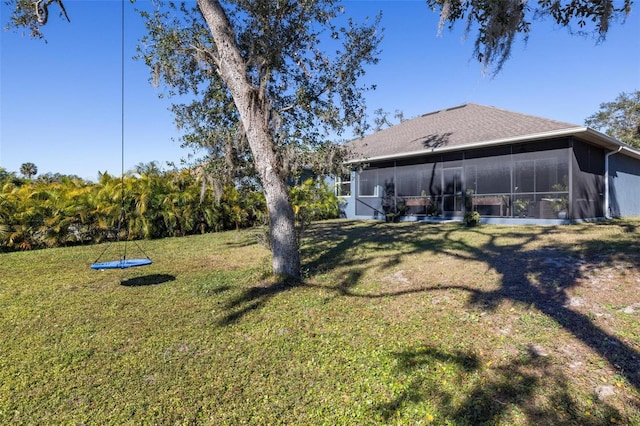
68	210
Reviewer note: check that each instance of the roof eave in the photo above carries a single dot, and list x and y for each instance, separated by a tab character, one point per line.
608	142
586	133
474	145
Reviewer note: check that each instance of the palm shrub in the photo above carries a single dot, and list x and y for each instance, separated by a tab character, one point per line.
312	200
103	203
5	209
315	200
148	203
241	206
66	212
26	218
256	206
178	205
4	235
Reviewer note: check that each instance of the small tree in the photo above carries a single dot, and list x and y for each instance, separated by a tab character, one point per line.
28	170
619	119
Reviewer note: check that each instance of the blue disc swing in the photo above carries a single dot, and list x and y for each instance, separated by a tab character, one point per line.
123	262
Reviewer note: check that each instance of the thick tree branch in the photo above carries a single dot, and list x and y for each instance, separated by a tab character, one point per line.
42	10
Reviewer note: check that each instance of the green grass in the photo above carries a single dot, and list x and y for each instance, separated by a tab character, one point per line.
393	324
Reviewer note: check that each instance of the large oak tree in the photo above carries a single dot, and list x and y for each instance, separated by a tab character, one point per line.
273	78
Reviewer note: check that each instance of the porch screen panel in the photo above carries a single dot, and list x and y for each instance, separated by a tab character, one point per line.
366	187
431	186
524	176
368	207
419	186
367	182
552	174
452	190
488	185
386	182
432	180
588	181
489	175
540	183
409	180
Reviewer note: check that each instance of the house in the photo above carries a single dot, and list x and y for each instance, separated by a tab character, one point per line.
510	167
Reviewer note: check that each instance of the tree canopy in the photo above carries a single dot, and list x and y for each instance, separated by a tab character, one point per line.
498	23
619	118
28	170
302	60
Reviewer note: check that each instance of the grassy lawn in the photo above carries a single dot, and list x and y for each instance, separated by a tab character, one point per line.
393	324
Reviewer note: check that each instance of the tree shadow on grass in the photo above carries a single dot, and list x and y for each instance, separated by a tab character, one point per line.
257	296
541	277
534	272
527	385
252	299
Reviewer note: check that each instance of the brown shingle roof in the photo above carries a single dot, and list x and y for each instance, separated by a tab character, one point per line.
457	127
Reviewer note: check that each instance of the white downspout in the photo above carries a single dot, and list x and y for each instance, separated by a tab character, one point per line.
607	214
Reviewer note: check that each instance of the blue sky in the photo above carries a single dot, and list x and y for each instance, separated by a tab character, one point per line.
61	106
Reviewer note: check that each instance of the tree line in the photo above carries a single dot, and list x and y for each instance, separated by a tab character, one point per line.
59	210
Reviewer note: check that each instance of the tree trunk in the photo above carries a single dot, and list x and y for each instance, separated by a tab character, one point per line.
232	69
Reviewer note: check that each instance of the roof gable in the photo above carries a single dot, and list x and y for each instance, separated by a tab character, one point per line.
458	127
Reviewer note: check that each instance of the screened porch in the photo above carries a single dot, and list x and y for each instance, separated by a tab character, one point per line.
552	180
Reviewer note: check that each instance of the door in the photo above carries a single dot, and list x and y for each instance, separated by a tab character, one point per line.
452	190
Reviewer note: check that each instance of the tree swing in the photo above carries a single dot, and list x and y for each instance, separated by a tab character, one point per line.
123	262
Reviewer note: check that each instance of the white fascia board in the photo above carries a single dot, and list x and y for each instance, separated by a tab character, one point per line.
607	141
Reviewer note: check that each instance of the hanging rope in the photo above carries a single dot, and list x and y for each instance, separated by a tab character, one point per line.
122	205
122	101
123	262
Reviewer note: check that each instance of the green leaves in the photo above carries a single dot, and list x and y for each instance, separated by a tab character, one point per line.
302	58
499	22
28	170
32	15
620	118
157	204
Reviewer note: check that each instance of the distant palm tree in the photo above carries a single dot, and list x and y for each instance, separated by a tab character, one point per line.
28	170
